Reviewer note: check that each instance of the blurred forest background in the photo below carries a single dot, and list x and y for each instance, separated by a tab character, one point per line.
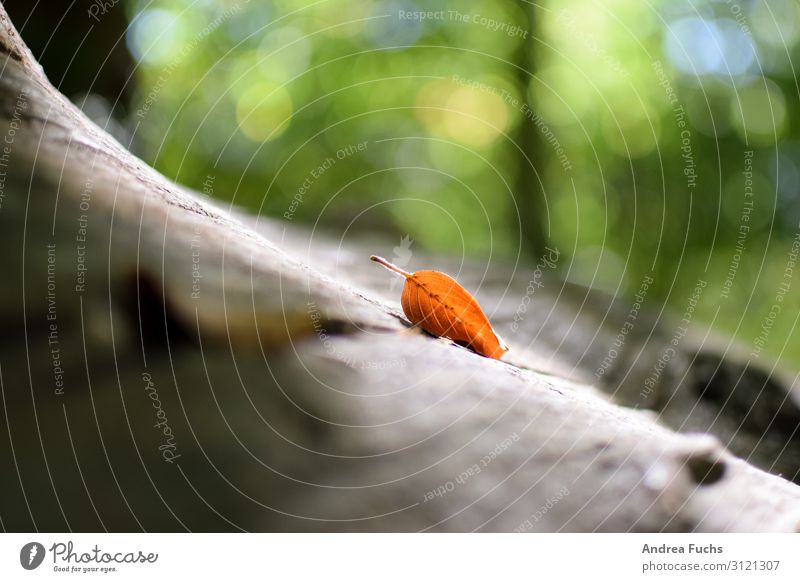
655	138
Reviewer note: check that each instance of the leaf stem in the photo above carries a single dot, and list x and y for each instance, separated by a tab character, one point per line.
390	266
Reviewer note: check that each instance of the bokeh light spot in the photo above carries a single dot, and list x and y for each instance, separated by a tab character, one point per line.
263	111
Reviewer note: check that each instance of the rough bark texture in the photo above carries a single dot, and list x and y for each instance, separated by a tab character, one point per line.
295	395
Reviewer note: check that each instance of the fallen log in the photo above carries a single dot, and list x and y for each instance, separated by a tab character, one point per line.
168	365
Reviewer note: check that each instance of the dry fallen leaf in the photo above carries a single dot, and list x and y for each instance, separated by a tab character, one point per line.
442	307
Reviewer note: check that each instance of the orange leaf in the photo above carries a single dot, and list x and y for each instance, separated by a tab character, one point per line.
442	307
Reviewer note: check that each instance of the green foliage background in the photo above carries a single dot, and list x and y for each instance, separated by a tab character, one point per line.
619	130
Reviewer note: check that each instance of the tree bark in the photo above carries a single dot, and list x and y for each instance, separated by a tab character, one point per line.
169	365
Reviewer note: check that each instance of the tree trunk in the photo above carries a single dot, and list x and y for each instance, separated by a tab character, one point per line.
170	365
529	189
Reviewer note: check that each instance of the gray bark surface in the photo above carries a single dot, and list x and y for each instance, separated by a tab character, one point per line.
296	395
